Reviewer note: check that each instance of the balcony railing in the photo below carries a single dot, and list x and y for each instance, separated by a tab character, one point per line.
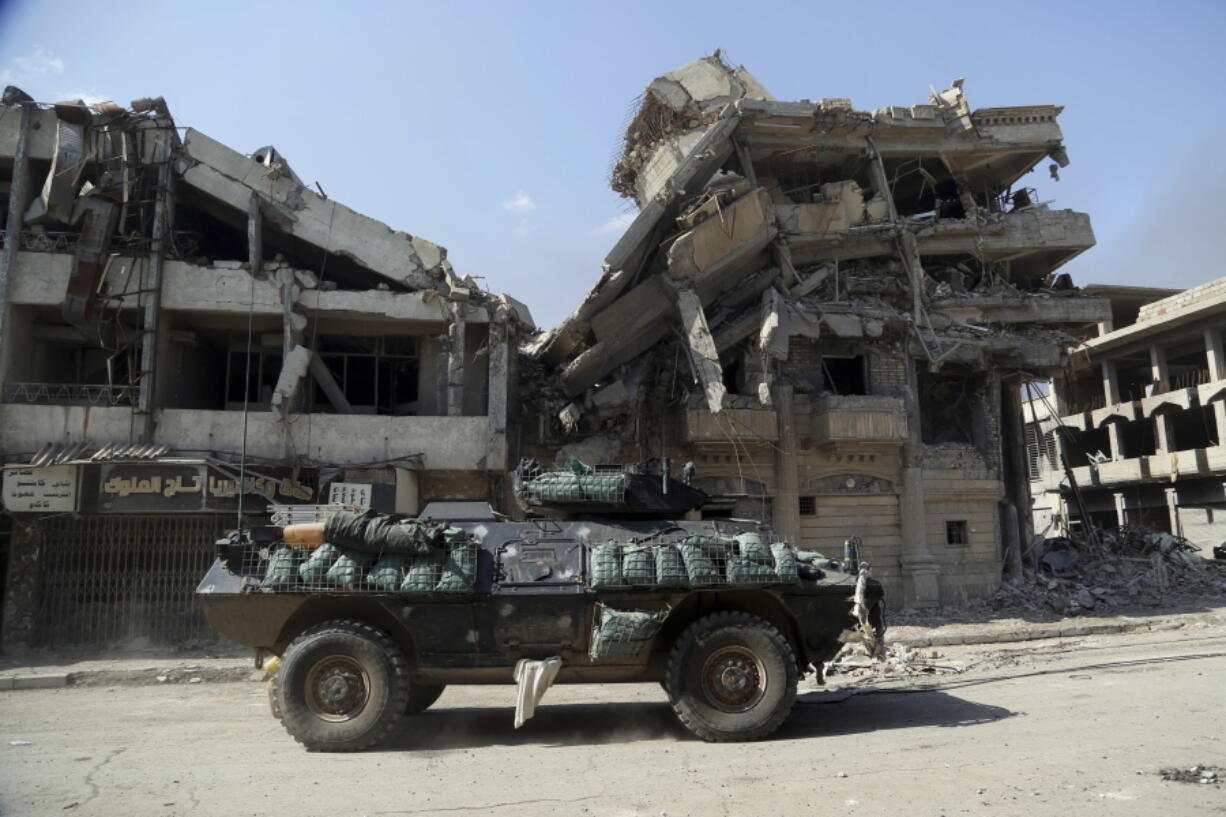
858	418
71	394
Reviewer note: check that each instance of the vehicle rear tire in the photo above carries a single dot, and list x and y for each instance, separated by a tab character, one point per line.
732	677
342	687
422	696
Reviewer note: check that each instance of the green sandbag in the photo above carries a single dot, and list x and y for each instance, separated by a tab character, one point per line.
349	569
421	573
638	566
315	569
700	568
624	633
389	572
348	530
282	570
607	565
745	571
753	548
569	487
785	562
459	571
670	567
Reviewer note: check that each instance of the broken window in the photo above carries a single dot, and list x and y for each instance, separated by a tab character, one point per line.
845	375
65	365
251	374
378	375
955	532
808	505
951	410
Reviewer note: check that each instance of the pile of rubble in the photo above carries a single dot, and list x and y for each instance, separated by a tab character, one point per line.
900	661
1125	567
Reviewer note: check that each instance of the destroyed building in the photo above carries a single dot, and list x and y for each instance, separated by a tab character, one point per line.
188	330
1132	433
827	314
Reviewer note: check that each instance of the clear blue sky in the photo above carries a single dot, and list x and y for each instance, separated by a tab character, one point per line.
489	128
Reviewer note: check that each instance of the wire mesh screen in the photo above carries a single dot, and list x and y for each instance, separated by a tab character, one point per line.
330	569
606	487
687	560
108	580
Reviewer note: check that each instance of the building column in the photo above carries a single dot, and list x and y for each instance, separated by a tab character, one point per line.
19	625
1217	371
1121	515
1158	371
1164	432
1111	383
1115	435
497	401
18	193
919	569
786	510
1172	508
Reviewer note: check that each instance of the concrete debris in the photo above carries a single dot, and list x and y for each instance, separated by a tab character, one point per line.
1202	774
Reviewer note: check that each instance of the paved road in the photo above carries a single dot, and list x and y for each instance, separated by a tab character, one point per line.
1037	729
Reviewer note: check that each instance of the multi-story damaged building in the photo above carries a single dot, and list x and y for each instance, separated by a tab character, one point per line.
189	331
1132	433
830	312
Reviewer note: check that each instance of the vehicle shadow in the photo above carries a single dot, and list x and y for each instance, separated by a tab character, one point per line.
816	714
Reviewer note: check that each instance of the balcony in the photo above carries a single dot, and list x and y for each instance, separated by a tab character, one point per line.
741	425
858	419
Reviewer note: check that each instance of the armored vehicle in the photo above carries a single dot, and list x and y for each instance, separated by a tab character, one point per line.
372	620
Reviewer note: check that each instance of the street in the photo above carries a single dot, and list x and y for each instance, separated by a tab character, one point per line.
1080	726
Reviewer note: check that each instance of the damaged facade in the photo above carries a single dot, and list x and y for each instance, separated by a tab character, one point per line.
1132	433
187	330
829	313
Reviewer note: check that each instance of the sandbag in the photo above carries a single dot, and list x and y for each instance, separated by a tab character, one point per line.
785	562
670	567
607	565
624	633
315	569
700	568
282	570
459	570
389	572
638	566
421	573
745	571
752	547
348	571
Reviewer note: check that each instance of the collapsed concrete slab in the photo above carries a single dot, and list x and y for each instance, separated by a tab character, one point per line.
871	286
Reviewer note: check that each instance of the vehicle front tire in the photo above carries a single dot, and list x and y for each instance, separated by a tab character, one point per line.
422	697
342	687
732	677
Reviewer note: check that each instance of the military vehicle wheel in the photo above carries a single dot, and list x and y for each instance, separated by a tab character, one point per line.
342	686
732	677
422	696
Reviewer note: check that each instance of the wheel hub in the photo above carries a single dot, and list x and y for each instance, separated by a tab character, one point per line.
337	688
732	678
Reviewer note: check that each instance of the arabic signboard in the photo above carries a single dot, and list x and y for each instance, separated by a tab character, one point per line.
349	494
186	488
41	490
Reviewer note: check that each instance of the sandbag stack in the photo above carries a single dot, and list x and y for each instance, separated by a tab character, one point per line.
694	561
380	553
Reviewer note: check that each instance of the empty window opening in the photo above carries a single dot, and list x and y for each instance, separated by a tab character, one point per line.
808	506
955	532
845	375
378	375
951	410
